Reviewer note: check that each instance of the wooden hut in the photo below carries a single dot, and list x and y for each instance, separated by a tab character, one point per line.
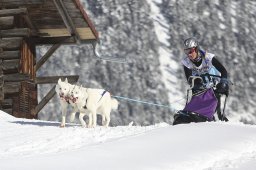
24	24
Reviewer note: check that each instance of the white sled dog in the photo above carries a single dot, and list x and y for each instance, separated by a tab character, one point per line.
91	102
63	90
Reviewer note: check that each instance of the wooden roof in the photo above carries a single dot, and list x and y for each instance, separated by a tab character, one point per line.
51	20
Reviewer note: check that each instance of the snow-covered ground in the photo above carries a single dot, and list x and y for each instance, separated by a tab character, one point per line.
34	144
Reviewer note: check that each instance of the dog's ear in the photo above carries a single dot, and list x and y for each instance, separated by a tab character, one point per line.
66	80
59	80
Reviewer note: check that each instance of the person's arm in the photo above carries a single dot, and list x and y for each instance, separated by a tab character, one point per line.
187	71
219	67
222	87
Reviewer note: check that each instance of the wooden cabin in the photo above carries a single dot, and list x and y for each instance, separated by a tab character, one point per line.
24	24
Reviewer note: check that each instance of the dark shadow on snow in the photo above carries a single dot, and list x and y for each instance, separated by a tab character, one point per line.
56	124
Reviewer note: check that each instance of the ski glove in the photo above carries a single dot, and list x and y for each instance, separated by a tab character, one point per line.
222	87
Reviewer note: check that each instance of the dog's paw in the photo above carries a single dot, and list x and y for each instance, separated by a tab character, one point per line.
91	126
62	126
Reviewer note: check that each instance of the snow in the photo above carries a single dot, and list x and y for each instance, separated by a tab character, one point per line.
34	144
169	67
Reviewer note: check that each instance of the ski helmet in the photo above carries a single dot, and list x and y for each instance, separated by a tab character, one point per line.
190	43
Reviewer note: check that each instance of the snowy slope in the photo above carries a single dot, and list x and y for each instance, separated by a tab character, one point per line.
34	144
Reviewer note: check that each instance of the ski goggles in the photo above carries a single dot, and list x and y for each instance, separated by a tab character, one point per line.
189	50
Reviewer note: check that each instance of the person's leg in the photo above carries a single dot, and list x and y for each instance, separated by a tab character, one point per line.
218	108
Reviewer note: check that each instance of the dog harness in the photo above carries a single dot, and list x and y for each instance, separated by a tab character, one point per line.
85	107
102	94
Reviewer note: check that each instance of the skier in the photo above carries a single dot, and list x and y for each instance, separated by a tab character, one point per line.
202	64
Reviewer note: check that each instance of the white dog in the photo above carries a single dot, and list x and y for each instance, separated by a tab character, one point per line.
63	90
91	102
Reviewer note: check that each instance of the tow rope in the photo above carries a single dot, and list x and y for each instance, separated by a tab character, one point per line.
149	103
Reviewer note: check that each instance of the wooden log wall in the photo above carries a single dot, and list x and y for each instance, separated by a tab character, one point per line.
1	81
9	63
18	93
18	3
6	22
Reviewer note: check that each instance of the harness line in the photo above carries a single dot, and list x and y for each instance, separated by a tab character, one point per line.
156	104
148	103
